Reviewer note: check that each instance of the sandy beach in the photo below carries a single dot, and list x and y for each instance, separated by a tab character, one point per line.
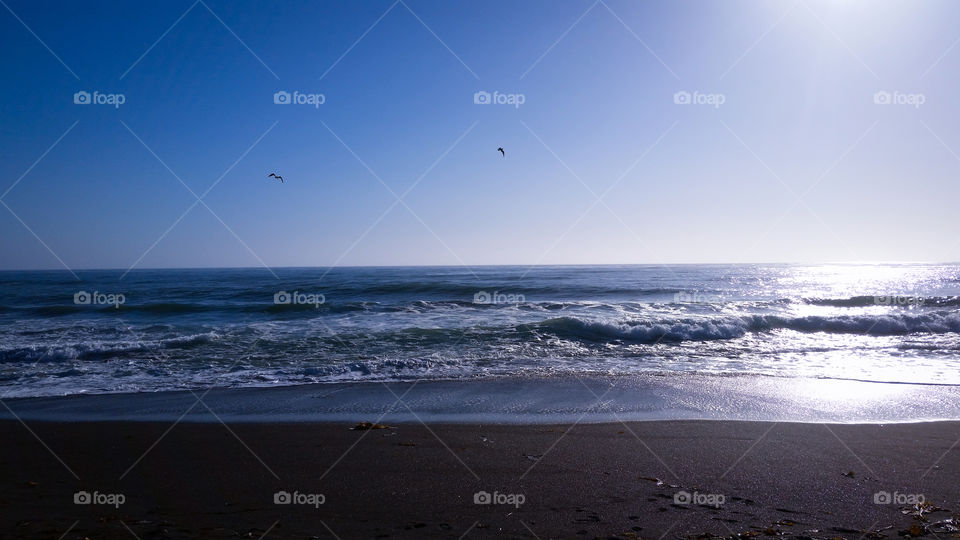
211	480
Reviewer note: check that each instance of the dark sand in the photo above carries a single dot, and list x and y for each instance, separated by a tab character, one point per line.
208	481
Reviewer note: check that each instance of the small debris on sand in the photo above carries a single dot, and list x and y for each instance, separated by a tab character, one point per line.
370	425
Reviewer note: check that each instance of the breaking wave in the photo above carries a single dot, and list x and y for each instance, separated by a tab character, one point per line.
707	329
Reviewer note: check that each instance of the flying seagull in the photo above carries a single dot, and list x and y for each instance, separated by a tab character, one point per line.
502	154
277	176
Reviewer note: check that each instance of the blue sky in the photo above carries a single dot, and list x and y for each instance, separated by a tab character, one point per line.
680	182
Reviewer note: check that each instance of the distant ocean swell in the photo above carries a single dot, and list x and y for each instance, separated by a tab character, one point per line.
267	306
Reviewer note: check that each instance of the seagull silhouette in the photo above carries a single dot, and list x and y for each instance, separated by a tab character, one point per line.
502	154
277	176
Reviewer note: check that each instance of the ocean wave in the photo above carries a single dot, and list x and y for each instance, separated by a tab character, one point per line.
706	329
641	331
186	308
159	310
887	301
90	350
84	351
893	324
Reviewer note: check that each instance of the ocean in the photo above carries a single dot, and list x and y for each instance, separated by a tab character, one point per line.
155	330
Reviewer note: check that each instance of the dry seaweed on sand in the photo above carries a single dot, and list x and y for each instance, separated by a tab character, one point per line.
920	510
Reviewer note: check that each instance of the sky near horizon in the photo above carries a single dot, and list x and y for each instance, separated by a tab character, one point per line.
648	132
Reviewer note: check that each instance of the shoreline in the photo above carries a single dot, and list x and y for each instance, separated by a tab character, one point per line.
519	400
209	480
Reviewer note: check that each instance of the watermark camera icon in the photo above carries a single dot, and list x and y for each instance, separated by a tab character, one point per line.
482	497
682	497
282	497
882	98
481	98
282	297
681	98
281	98
81	98
82	298
482	297
82	497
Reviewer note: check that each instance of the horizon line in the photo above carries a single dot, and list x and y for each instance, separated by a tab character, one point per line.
486	265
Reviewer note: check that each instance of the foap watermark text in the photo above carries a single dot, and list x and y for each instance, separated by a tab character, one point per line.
97	298
110	499
696	97
899	300
885	497
695	297
481	97
98	98
512	499
305	499
896	97
283	97
297	297
497	297
686	498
